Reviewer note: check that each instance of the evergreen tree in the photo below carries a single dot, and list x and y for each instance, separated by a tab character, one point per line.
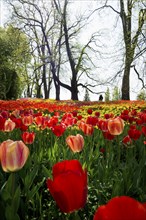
116	94
142	95
86	97
107	95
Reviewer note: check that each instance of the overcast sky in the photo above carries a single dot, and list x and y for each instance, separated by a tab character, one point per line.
103	23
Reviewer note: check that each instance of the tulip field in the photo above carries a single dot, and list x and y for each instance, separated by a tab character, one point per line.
72	160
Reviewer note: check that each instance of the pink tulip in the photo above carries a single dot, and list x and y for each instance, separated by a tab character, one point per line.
13	155
9	125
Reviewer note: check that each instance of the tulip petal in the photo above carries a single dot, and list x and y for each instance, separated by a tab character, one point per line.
69	191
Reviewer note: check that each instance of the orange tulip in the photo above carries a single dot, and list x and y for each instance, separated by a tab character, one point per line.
75	143
13	155
86	128
27	120
9	125
115	126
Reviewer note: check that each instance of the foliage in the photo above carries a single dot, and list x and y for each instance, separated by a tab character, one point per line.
86	97
107	95
116	94
13	56
141	95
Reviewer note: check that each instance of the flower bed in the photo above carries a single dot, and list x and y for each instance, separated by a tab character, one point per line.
72	160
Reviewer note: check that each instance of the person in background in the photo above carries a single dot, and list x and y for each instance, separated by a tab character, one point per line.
100	98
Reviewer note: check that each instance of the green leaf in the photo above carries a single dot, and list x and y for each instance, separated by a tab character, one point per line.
16	200
29	179
45	171
35	190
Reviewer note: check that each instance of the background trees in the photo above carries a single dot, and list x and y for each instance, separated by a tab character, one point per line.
61	60
132	15
53	34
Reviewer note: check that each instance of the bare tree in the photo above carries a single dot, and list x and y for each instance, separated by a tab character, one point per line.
134	38
56	44
78	58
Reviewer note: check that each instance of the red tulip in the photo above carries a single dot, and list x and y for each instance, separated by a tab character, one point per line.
97	114
89	111
143	129
121	208
68	119
52	121
59	129
69	185
108	135
75	143
134	133
5	114
92	120
107	116
13	155
23	127
42	122
2	122
115	126
28	137
79	117
127	140
39	120
102	125
143	117
9	125
18	122
74	113
102	150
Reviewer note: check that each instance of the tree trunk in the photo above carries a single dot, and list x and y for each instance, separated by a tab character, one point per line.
126	83
57	90
74	89
38	93
130	43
